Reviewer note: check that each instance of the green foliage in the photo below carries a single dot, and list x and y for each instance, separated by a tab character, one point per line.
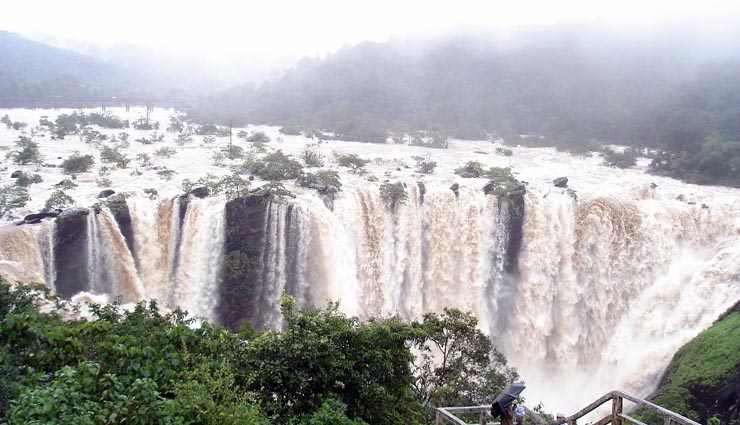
77	163
12	198
165	152
276	166
176	124
7	121
312	157
233	186
111	154
503	184
273	189
425	164
27	151
288	130
144	124
624	159
58	200
66	184
25	180
258	137
458	364
183	139
166	173
234	152
352	161
393	194
472	169
144	159
707	365
151	193
716	162
325	355
324	181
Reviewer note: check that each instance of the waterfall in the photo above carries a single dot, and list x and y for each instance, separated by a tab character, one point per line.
600	294
200	257
23	257
110	267
156	231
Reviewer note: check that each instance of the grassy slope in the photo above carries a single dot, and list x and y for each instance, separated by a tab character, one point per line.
703	378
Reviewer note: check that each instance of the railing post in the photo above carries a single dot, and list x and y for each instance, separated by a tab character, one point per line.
483	418
616	410
667	420
439	419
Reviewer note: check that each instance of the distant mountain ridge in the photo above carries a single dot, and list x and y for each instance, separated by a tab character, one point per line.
29	68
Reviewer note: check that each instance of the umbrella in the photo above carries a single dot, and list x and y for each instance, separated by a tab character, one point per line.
506	397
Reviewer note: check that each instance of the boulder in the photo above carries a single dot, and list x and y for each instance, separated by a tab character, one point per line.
241	280
106	193
200	192
36	218
467	174
455	188
70	252
422	191
16	174
489	188
560	182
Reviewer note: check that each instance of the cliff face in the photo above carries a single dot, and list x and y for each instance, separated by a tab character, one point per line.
70	241
245	222
703	379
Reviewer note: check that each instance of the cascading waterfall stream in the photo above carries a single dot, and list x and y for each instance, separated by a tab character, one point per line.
595	278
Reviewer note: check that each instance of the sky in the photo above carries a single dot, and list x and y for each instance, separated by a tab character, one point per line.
269	34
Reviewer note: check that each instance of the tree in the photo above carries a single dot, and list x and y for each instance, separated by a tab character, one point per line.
144	159
12	198
458	365
276	166
233	186
324	181
352	161
325	355
77	163
393	194
165	152
58	200
25	180
27	153
312	157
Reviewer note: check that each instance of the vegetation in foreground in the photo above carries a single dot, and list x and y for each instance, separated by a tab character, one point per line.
702	380
142	366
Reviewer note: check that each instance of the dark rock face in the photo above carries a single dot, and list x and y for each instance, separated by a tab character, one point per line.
36	218
200	192
467	174
560	182
16	174
489	188
240	286
515	204
119	208
422	191
106	193
455	188
70	246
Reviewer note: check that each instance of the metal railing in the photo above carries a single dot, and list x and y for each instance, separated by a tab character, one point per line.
617	417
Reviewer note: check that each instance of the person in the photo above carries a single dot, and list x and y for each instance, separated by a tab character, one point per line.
519	414
507	417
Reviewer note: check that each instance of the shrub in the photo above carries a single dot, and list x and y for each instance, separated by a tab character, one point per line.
352	161
393	194
324	181
625	159
151	193
276	166
58	200
77	163
144	159
25	180
472	169
12	198
290	131
166	174
165	152
312	157
258	136
28	151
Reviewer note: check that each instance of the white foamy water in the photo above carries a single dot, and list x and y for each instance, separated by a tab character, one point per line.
610	285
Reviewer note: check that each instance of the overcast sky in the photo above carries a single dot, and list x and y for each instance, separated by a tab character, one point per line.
271	32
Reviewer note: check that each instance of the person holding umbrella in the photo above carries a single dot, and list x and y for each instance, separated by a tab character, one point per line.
503	404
